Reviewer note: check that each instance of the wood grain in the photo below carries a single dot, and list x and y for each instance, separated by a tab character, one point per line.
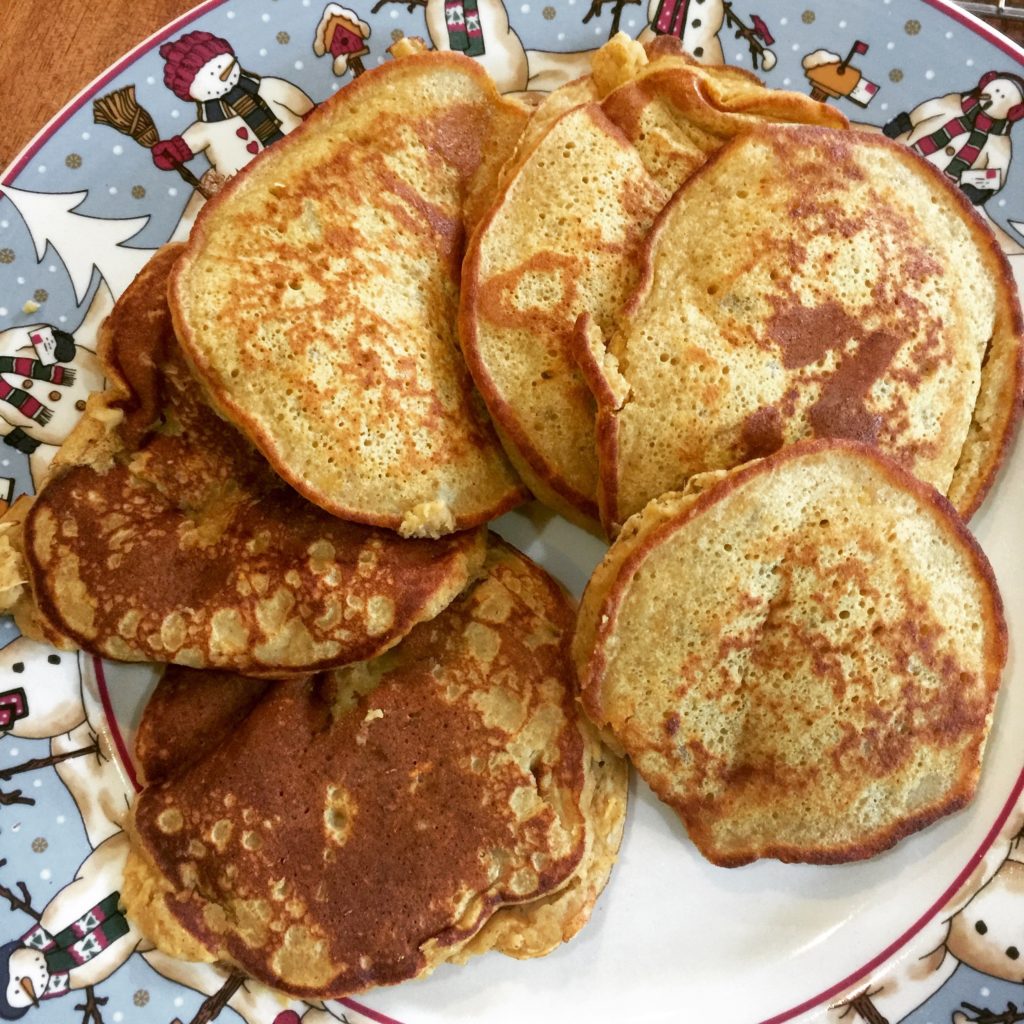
49	49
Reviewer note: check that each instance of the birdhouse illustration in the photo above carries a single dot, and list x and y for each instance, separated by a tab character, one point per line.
834	77
341	34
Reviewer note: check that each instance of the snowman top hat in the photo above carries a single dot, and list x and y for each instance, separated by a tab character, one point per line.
8	1012
186	55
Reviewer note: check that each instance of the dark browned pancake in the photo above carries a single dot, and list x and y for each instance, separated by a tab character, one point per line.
360	827
163	535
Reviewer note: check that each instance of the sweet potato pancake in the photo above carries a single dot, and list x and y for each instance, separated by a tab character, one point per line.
361	827
801	659
317	299
809	282
163	535
565	236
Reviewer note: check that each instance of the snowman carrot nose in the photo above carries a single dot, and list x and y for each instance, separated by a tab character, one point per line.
30	991
227	71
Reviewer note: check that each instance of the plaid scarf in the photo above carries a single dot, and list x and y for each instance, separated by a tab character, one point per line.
670	18
245	102
464	31
35	370
974	123
95	931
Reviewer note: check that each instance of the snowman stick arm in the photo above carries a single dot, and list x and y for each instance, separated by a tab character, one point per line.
22	903
46	762
14	797
985	1016
213	1004
744	31
410	5
91	1007
596	7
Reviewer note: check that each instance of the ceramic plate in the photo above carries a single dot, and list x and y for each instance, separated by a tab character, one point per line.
931	930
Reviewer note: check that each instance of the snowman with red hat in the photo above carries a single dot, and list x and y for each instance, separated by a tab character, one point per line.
967	135
238	113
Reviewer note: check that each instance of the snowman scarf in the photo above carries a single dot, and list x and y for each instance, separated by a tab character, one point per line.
464	32
31	369
670	18
245	102
974	123
95	931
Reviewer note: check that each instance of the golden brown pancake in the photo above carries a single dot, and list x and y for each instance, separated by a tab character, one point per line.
677	112
563	238
859	296
360	827
829	645
318	295
163	535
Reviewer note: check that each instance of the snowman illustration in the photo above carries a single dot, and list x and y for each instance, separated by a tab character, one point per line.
238	113
74	939
82	936
967	135
46	376
51	694
481	29
985	934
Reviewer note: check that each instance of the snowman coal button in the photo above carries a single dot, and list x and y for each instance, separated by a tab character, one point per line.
695	23
698	51
950	150
80	405
27	384
54	396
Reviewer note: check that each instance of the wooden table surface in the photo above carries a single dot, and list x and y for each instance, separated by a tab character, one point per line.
49	49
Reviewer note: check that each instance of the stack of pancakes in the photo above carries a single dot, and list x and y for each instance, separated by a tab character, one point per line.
385	740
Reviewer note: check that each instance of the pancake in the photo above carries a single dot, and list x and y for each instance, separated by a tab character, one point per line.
830	642
677	112
361	827
858	295
161	534
563	238
318	296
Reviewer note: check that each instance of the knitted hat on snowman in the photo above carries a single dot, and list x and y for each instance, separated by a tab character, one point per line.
185	56
8	1012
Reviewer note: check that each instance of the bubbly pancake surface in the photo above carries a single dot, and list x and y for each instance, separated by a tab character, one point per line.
562	239
808	282
678	113
565	235
171	539
318	297
830	642
361	827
